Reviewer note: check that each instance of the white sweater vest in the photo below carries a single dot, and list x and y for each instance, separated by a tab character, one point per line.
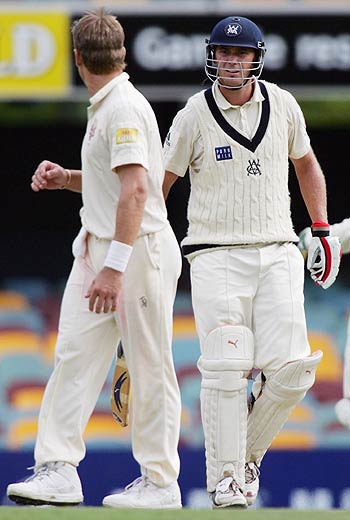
240	195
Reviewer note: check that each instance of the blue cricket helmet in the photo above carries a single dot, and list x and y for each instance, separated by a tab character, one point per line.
235	31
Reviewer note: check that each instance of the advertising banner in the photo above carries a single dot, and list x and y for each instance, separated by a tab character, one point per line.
296	479
166	51
35	54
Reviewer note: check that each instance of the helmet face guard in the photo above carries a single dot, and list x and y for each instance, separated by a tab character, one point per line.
235	31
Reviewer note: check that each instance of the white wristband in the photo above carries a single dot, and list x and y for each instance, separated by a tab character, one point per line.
118	256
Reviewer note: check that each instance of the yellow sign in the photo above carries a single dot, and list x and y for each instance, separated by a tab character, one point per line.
126	135
35	54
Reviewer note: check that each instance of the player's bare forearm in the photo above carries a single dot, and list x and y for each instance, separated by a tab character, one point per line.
169	179
133	196
312	186
323	252
105	289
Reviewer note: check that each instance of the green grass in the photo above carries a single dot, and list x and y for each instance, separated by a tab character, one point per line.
99	513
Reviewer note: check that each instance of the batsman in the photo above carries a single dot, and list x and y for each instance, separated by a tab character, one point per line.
247	274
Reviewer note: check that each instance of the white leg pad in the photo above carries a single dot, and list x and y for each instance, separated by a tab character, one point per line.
227	357
275	399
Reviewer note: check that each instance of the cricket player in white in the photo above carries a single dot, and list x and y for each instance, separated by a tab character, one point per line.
246	273
342	231
122	286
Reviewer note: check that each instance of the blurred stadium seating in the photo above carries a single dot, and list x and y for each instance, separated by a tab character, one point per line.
28	321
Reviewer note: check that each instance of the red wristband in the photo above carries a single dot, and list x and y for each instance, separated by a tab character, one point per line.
320	223
320	229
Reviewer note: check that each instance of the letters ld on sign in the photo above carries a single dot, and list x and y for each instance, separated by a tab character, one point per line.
34	54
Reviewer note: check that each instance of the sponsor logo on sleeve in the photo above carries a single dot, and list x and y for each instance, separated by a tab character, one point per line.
126	135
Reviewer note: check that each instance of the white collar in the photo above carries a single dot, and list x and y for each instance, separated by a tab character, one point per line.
102	93
223	104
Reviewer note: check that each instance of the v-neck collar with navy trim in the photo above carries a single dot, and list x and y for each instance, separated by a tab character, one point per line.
250	144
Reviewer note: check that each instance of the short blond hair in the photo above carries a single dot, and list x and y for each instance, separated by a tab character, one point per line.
99	38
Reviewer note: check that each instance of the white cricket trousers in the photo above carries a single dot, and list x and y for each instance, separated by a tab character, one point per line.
259	287
86	346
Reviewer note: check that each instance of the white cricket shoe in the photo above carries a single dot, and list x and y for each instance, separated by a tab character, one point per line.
228	494
142	493
251	489
54	483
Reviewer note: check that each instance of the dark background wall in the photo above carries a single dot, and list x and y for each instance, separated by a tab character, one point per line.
37	228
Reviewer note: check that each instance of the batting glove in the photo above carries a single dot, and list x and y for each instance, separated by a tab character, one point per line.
324	255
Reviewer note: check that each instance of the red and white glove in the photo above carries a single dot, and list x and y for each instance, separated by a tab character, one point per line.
324	255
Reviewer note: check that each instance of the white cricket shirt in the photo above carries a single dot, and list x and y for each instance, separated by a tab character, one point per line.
238	162
121	129
186	148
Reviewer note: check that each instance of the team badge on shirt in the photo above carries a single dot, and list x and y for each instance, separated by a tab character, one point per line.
254	167
126	135
223	153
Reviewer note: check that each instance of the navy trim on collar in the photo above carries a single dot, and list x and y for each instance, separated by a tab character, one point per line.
250	144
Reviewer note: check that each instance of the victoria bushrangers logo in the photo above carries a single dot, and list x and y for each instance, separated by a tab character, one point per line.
233	29
253	167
